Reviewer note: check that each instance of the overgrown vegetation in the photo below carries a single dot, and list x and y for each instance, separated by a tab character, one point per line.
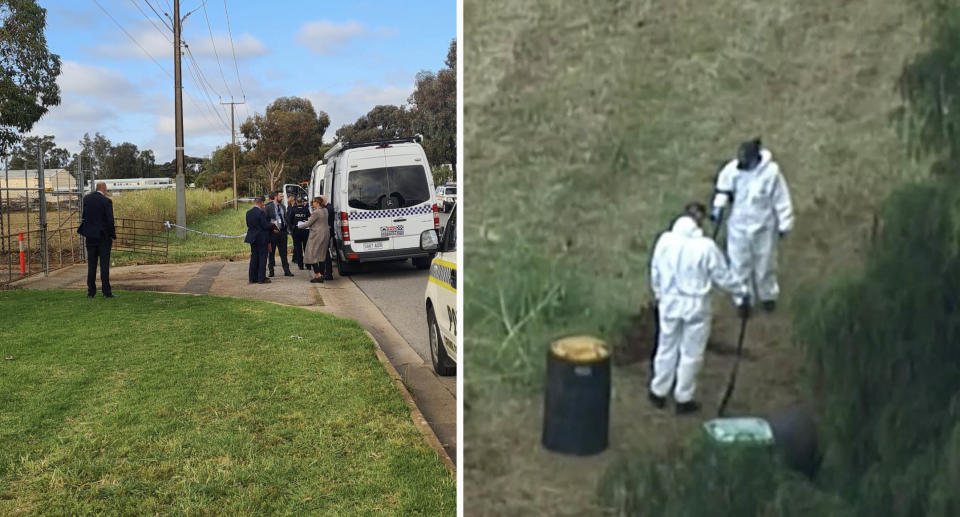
588	129
196	405
195	247
882	361
161	205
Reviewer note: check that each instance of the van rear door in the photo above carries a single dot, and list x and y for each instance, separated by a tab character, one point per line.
409	185
367	199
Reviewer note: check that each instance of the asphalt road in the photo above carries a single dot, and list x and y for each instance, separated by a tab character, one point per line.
397	289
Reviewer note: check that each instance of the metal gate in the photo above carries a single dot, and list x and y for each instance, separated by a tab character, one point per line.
40	211
39	215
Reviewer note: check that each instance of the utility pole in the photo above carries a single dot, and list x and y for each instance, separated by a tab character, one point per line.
233	142
178	122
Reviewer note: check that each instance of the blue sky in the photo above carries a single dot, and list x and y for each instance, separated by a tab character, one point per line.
346	57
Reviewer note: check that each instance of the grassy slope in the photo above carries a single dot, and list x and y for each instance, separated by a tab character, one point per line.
196	405
197	247
587	129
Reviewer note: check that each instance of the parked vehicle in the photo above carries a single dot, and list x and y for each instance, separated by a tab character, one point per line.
383	197
447	196
441	296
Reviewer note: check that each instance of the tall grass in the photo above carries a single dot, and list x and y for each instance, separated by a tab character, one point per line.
883	365
588	129
161	205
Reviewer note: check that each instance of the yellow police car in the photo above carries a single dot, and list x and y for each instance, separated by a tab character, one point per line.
441	295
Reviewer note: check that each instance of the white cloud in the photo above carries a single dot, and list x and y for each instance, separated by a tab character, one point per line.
324	38
160	46
246	46
106	87
92	80
347	107
147	36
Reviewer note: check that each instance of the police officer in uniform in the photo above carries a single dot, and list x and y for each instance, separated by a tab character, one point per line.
298	212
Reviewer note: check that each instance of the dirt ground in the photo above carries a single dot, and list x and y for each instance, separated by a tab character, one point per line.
509	473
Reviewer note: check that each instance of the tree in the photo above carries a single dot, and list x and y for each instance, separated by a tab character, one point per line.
96	152
28	82
434	111
122	161
288	132
145	164
24	155
381	123
58	158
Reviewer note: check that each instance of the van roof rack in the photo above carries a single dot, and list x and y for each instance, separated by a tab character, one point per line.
343	146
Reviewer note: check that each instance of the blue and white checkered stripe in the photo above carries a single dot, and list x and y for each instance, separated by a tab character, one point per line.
397	212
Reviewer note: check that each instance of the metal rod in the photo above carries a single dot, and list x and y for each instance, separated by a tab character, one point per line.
44	246
26	181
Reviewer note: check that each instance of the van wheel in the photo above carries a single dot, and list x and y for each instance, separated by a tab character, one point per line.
438	354
343	269
421	262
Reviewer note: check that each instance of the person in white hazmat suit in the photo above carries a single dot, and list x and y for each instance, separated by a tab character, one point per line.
761	214
684	268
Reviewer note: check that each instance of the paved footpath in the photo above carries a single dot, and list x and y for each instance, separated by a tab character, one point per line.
339	297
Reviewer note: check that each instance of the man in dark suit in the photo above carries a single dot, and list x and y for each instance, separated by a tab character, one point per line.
258	236
98	228
276	213
328	265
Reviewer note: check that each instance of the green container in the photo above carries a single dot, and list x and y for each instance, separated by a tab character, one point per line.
749	431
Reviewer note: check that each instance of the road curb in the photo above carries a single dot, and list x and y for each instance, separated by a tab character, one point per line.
418	419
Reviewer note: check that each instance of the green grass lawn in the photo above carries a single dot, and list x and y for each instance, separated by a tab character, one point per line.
197	247
190	405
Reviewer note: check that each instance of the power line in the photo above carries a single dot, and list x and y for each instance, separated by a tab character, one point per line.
235	65
215	53
145	15
205	80
132	39
156	12
206	111
199	80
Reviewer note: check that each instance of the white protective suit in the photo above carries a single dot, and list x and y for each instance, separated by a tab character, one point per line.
761	209
684	268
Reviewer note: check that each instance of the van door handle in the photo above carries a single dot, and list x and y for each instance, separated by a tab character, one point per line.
402	219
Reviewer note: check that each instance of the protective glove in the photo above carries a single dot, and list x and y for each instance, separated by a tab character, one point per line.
301	224
715	213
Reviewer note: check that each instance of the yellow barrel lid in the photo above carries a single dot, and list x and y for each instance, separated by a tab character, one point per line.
580	349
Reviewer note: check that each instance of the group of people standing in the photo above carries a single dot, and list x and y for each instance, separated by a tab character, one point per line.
269	225
686	264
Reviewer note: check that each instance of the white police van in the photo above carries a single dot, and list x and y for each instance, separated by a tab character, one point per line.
441	296
383	199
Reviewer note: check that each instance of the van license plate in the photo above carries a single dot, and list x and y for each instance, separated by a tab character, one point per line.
391	231
373	246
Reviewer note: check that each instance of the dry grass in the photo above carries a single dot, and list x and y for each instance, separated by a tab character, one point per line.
587	129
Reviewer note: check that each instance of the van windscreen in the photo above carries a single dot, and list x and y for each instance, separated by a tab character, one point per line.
388	187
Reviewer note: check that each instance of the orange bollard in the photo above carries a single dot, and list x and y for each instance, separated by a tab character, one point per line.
23	261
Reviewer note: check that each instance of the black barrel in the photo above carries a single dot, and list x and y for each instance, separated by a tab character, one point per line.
576	411
795	436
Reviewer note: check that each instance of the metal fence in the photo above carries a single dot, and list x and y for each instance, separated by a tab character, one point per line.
142	236
39	220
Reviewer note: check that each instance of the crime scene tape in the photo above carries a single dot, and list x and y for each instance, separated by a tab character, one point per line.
169	225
